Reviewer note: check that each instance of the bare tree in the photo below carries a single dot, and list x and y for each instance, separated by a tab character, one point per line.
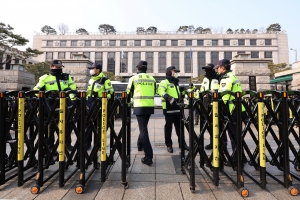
63	28
140	30
262	30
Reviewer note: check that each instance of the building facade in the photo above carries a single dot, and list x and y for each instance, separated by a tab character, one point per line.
119	53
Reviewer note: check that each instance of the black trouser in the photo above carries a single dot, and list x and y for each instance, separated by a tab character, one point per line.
170	120
89	137
196	116
143	140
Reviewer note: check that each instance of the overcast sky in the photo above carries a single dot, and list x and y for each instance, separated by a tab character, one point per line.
29	16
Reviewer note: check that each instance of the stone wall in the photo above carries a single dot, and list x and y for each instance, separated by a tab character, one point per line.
16	80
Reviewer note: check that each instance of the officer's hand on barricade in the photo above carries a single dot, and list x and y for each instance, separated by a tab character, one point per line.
170	99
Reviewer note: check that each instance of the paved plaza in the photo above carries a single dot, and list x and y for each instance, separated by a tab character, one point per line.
162	180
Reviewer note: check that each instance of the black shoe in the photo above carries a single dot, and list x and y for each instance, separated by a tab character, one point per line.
186	147
87	146
70	147
147	161
140	149
209	146
170	149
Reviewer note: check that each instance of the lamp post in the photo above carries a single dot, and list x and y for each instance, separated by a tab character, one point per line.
295	53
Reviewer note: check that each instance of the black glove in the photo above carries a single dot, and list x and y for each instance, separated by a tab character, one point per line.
170	99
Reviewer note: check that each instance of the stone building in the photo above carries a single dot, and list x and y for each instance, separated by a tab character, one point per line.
119	53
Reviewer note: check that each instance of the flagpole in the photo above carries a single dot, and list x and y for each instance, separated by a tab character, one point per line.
191	57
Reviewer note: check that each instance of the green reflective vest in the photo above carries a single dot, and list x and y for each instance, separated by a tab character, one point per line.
229	82
99	84
48	82
142	86
209	85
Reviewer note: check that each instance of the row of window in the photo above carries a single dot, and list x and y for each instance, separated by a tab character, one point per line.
227	54
162	59
226	42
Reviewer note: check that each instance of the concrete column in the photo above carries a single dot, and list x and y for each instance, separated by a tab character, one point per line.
275	57
195	64
169	59
104	67
155	62
143	55
261	54
55	55
247	42
221	55
130	55
118	62
207	57
181	62
92	56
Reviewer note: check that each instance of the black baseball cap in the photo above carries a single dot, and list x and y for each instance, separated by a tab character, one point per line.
56	63
141	64
96	65
223	62
172	68
209	66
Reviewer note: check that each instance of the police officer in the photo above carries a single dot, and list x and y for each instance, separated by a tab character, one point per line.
193	88
142	88
98	83
229	82
169	91
56	80
209	83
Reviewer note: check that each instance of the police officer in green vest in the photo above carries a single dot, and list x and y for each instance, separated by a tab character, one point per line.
229	82
98	83
142	88
56	80
169	91
209	83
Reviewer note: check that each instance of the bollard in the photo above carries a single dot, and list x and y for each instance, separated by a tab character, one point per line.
81	183
191	141
103	136
261	141
215	118
61	137
2	138
124	122
21	124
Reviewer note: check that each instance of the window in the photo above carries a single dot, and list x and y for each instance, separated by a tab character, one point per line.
252	41
23	61
71	54
112	43
63	43
124	62
123	43
49	43
200	42
150	61
187	62
226	42
188	43
214	57
214	42
98	43
87	54
17	61
241	42
268	54
201	62
175	59
268	42
254	54
87	43
228	55
61	55
74	43
8	61
136	57
111	62
99	58
239	52
163	43
49	56
174	43
137	42
162	62
252	83
148	42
